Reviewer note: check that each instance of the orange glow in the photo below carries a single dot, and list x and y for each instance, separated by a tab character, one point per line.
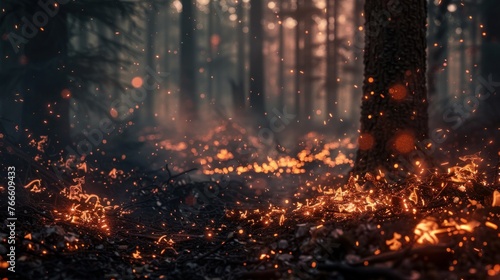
496	199
113	113
371	80
66	93
137	254
366	141
404	142
215	40
398	92
137	82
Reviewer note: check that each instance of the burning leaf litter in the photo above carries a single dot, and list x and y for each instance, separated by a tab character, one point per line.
180	226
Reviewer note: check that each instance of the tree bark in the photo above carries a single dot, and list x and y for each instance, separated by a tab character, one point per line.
257	99
298	60
188	55
149	106
281	53
308	60
239	92
210	59
394	107
490	55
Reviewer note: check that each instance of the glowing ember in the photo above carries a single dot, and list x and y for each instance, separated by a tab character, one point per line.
137	254
428	229
394	244
496	199
35	186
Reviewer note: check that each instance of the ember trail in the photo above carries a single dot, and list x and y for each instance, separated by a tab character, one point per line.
271	139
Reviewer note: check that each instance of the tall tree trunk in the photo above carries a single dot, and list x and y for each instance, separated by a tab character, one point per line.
490	57
332	54
240	84
257	99
167	25
308	61
463	48
46	106
149	106
188	55
298	60
281	52
394	108
473	46
438	50
210	51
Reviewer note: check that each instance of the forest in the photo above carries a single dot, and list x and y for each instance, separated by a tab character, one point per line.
249	139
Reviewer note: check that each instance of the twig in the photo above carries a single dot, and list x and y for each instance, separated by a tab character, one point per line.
229	239
170	176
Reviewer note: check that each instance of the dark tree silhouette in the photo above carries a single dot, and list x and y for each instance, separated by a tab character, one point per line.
394	107
151	34
281	53
189	97
332	57
257	95
41	65
438	50
490	51
298	59
240	86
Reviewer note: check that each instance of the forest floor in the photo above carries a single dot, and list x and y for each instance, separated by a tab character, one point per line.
278	215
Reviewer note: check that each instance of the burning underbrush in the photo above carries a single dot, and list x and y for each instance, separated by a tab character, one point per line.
248	222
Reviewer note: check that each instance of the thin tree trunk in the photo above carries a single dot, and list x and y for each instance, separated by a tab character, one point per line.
332	53
463	48
281	52
149	106
473	47
188	55
210	59
298	60
257	100
308	62
490	57
239	93
167	24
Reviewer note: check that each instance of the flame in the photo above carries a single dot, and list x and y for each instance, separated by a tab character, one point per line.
394	243
491	225
224	154
466	173
88	209
136	254
413	196
428	229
